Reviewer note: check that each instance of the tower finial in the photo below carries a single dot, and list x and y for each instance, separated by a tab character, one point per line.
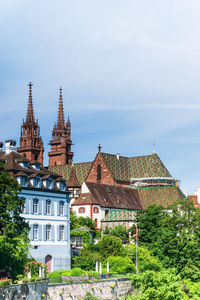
154	143
30	113
99	147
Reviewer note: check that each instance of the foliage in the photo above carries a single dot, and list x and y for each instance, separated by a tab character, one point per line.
89	296
56	276
14	230
84	234
110	245
192	289
120	231
76	222
173	236
4	281
34	267
87	259
120	264
163	285
146	261
77	272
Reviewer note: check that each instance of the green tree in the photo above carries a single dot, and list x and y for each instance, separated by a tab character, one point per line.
87	259
110	245
120	264
163	285
14	230
120	231
87	222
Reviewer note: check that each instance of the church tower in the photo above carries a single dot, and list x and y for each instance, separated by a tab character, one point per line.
31	145
60	153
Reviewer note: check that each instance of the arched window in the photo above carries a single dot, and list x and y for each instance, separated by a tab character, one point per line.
98	173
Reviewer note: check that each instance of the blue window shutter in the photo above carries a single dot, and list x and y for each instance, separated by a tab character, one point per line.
40	207
40	232
58	232
58	208
44	207
65	233
31	206
45	237
27	206
52	233
52	208
31	235
65	209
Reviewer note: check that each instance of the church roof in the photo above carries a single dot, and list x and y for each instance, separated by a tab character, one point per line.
81	170
119	197
124	168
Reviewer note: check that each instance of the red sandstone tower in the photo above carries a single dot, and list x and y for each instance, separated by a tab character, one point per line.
31	145
60	153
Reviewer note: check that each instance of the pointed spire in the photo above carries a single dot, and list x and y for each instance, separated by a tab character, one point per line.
60	119
68	124
30	114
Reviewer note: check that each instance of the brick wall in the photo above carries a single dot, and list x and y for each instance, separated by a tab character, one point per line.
106	177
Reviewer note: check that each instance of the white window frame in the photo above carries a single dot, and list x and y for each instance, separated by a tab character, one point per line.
35	206
61	208
61	232
48	207
48	232
35	232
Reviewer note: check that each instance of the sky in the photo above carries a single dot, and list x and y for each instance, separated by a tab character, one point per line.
130	72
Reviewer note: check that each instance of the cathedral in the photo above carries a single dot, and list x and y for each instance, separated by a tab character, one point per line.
107	188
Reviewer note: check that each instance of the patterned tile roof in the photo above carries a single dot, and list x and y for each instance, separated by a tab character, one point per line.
164	196
81	169
124	168
120	215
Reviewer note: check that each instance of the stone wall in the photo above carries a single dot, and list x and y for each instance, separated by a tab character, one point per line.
31	291
103	289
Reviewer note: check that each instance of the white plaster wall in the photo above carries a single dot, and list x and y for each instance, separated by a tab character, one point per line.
85	214
197	193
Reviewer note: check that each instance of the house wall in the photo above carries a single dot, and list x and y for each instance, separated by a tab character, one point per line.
58	250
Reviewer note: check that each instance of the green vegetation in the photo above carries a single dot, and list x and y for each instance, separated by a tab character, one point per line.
76	222
14	230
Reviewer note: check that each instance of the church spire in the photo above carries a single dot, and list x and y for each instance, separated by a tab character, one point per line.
30	114
31	145
60	119
61	143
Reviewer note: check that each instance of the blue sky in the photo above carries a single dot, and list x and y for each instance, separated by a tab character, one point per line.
130	71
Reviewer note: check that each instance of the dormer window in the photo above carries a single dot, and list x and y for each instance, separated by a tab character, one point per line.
23	164
22	180
61	185
37	182
36	166
49	184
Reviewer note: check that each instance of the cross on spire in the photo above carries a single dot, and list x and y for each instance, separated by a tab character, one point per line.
30	114
99	147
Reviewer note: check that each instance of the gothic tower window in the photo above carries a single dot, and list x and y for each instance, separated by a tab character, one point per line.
98	173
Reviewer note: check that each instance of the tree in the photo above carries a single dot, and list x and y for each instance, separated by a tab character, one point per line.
120	264
87	259
87	222
163	285
14	230
110	245
120	231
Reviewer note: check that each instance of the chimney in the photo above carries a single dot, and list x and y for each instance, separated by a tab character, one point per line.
10	146
1	147
117	155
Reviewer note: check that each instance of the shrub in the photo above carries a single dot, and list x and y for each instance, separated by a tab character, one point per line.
66	273
120	264
4	281
76	272
110	244
56	276
89	296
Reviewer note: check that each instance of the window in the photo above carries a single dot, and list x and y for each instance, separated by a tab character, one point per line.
35	206
35	232
77	241
48	232
81	210
37	182
95	210
98	173
61	233
61	208
48	207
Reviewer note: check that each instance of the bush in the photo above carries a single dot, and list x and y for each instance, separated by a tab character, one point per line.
120	264
89	296
87	259
66	273
110	244
93	274
5	281
77	272
56	276
120	231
